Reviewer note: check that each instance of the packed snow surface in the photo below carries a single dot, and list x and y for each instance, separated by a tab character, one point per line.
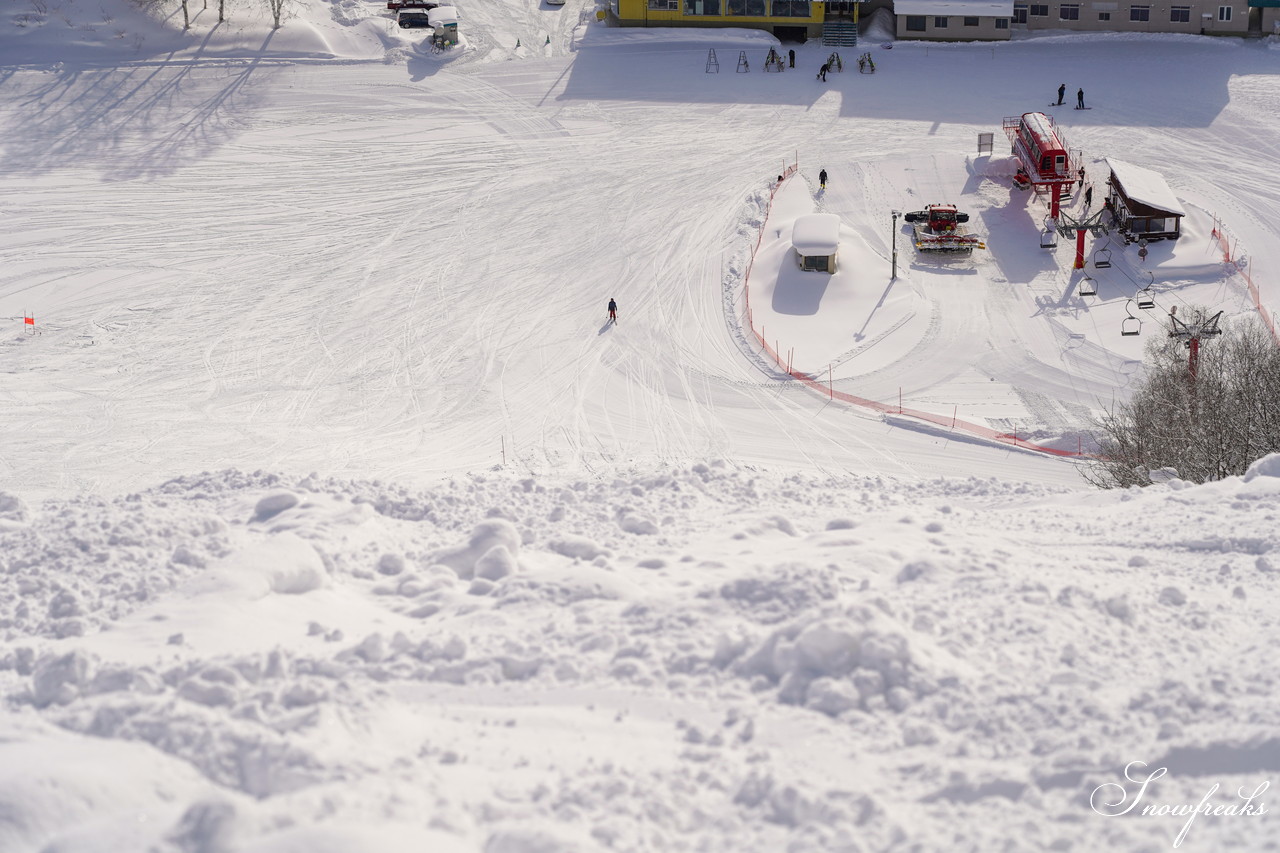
334	517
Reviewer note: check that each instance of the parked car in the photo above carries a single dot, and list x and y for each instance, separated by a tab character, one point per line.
555	2
412	18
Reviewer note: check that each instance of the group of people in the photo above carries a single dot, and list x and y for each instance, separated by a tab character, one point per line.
1062	93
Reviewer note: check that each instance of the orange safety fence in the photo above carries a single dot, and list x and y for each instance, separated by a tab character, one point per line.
827	389
1225	244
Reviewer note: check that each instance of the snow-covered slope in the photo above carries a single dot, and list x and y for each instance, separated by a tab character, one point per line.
697	659
559	586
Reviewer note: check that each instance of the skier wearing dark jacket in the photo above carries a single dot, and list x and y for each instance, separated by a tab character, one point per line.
1062	92
613	311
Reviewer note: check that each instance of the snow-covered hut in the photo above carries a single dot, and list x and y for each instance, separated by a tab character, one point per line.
444	20
1142	202
816	238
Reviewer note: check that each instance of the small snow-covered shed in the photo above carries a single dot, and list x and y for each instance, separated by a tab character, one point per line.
1142	202
816	237
444	20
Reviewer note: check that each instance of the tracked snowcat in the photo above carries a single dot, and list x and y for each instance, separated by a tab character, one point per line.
941	228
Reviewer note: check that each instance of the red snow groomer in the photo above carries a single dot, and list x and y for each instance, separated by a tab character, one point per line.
940	228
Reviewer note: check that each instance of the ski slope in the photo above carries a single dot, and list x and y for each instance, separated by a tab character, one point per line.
335	518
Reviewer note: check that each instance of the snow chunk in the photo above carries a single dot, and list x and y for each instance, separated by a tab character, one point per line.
577	547
496	564
274	504
485	536
13	512
632	523
59	679
1267	466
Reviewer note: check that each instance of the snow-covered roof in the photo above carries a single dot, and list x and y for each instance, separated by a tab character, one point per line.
816	234
979	8
442	15
1144	186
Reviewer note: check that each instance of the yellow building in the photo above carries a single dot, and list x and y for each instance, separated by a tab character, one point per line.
835	21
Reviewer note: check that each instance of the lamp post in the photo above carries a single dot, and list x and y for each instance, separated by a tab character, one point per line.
893	240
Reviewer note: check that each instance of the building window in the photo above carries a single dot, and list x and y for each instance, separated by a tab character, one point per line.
1104	16
702	7
970	22
1039	11
915	24
755	8
1019	14
664	5
1224	13
790	8
1003	23
1139	13
939	23
1069	12
1180	14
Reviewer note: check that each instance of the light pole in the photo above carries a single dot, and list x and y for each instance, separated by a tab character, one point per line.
893	239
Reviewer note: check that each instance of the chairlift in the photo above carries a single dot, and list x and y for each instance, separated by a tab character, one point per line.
1144	297
1088	287
1049	236
1130	325
1102	257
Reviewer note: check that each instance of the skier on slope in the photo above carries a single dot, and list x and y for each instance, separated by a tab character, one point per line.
822	179
1080	99
613	311
1062	92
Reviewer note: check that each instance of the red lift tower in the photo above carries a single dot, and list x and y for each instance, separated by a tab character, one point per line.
1191	333
1045	162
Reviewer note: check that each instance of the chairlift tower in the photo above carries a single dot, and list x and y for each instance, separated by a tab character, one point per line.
1191	333
1070	226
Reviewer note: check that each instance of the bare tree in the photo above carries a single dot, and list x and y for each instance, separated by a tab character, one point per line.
161	5
280	9
1208	428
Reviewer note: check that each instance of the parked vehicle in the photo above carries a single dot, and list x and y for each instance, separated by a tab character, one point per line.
940	228
413	18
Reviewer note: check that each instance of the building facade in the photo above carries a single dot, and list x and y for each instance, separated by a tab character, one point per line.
833	21
975	20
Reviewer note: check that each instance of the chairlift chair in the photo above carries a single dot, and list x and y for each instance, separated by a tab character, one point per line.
1144	297
1088	287
1102	257
1049	235
1130	325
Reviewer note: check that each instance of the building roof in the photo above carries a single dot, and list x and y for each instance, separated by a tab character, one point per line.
1144	186
816	234
972	8
442	15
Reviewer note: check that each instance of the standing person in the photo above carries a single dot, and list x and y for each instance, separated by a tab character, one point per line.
1088	198
613	311
791	56
1080	99
822	179
822	72
1062	92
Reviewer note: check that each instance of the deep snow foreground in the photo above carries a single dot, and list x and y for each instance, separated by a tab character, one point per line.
702	658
